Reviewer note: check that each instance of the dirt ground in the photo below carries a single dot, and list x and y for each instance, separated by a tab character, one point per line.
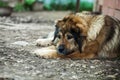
17	40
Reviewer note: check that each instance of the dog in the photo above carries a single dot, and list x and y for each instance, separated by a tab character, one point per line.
83	36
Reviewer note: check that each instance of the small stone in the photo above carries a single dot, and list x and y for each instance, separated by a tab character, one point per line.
49	75
97	73
84	66
74	77
111	76
21	43
92	67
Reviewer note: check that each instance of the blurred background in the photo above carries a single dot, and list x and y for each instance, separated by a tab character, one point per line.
36	5
109	7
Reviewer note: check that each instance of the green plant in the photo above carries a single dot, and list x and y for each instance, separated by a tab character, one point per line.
3	4
19	7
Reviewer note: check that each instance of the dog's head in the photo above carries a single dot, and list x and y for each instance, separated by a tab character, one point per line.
70	34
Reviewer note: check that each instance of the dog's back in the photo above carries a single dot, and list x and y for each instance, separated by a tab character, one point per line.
111	45
107	27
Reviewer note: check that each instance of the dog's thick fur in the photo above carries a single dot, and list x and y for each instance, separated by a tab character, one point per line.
81	36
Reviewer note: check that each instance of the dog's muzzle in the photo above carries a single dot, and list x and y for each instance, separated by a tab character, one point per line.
62	50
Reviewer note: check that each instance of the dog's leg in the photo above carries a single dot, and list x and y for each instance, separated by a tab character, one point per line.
48	52
90	51
52	53
44	42
78	55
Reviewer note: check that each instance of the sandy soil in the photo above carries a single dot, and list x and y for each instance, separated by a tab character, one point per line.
17	36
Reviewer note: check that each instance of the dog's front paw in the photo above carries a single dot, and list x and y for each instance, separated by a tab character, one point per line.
43	42
45	53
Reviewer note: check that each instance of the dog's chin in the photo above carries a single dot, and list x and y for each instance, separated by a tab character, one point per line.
65	52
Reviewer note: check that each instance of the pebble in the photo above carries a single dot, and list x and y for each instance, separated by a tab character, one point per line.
111	76
99	72
92	67
74	77
21	43
84	66
49	75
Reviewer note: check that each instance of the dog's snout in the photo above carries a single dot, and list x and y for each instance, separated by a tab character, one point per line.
61	48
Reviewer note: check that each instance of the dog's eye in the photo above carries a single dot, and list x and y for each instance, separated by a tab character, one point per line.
69	36
59	36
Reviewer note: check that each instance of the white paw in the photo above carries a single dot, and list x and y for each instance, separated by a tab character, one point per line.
44	42
45	53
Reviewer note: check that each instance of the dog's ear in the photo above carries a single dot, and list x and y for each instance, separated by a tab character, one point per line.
56	21
78	37
80	42
82	28
55	33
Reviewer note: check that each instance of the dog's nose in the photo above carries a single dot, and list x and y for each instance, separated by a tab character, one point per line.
61	48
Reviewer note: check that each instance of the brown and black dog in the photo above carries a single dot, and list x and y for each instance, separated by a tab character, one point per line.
82	36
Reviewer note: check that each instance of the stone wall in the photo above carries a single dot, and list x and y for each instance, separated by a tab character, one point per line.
108	7
111	7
